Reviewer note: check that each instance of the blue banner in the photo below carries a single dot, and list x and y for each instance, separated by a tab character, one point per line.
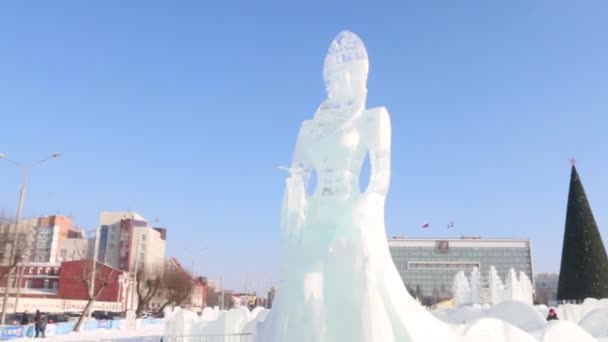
16	331
12	332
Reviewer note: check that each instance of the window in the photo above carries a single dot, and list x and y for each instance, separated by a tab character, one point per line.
143	237
56	270
54	284
47	270
46	283
28	284
441	265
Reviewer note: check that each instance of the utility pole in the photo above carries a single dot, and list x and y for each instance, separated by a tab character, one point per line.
246	282
195	253
9	276
94	267
21	269
12	259
136	269
222	297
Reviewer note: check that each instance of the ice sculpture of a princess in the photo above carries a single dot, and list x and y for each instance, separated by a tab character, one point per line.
337	279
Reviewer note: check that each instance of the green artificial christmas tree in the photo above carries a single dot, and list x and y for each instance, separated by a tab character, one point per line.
584	269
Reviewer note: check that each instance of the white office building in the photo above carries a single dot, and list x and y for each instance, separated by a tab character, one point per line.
128	242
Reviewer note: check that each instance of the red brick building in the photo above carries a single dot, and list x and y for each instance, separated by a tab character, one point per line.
40	280
72	286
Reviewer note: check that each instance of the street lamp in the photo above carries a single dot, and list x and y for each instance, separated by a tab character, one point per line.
25	169
195	253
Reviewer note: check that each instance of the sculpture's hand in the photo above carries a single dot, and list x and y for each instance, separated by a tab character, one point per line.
295	197
294	205
296	193
379	142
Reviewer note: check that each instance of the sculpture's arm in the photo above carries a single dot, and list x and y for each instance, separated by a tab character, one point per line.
379	143
300	164
295	196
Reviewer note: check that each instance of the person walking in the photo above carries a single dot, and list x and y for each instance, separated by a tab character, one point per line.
25	319
552	315
40	324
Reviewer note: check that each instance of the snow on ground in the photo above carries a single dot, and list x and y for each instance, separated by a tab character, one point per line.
509	321
102	334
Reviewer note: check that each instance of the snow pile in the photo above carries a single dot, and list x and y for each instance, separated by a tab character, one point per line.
460	315
510	318
519	314
509	321
181	322
564	331
596	322
495	330
210	314
213	321
230	322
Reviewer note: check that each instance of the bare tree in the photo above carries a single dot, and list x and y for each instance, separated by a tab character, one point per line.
12	247
147	285
213	296
13	251
177	286
95	279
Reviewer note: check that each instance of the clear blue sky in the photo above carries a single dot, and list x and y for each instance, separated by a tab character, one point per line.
183	110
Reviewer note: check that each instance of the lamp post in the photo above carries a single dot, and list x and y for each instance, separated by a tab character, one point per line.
195	253
25	169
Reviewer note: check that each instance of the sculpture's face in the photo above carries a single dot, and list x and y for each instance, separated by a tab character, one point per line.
345	85
345	69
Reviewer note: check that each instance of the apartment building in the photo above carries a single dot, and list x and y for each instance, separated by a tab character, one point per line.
128	242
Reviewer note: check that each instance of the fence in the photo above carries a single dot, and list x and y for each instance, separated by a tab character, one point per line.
129	339
184	338
210	338
16	331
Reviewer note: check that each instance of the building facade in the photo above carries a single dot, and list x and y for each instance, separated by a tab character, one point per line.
54	287
127	242
428	266
50	234
15	242
546	288
77	249
38	280
75	277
